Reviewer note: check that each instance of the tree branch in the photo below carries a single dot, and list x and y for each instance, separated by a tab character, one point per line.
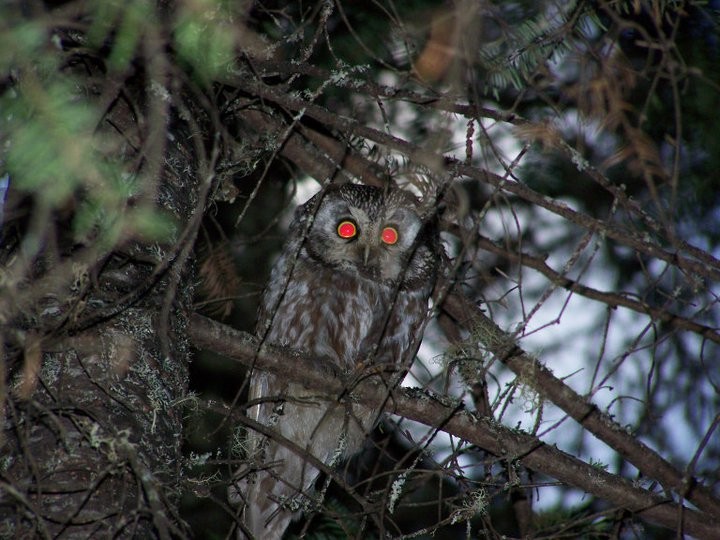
708	266
322	157
647	461
431	410
607	298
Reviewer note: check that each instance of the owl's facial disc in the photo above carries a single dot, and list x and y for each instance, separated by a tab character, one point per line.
364	238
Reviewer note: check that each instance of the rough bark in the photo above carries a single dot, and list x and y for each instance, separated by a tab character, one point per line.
97	358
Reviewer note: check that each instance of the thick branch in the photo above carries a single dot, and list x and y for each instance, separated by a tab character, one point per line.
647	461
483	432
330	156
651	464
381	91
708	267
474	111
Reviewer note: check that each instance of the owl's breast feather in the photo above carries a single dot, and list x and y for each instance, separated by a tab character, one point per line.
340	316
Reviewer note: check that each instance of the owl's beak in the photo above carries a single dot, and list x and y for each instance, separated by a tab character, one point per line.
366	254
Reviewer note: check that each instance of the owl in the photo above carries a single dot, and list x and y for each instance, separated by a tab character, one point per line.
350	288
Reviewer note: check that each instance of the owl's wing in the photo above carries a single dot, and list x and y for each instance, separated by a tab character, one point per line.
394	337
279	279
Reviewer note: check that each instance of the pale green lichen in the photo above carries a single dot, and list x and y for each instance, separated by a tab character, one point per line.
396	491
475	504
578	160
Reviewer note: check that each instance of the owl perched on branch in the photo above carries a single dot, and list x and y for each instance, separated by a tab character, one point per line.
350	288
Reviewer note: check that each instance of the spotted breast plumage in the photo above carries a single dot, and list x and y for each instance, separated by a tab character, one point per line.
351	286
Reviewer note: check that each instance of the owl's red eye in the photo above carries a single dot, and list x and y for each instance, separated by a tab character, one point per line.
346	229
389	235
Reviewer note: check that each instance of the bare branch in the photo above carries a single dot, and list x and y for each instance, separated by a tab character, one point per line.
651	464
432	410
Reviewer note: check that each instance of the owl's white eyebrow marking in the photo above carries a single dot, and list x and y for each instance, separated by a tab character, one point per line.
359	214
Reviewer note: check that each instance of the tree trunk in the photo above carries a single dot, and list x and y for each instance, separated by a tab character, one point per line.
97	361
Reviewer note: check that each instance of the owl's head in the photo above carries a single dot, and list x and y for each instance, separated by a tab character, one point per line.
371	232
